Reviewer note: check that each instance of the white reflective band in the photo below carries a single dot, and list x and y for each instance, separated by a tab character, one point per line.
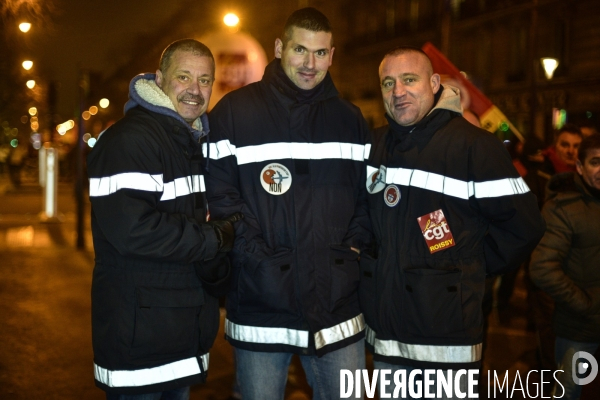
183	186
150	376
221	149
367	151
339	332
424	352
370	170
257	334
150	183
454	187
300	151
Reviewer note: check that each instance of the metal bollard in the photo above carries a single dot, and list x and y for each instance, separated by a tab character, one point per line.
50	212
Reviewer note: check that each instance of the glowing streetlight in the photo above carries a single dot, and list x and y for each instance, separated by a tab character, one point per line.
24	27
32	111
93	110
27	64
550	65
104	103
86	115
231	19
30	84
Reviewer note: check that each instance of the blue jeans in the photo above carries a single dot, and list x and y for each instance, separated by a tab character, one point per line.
419	386
175	394
263	376
564	350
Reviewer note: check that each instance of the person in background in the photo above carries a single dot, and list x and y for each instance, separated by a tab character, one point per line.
563	153
289	153
160	266
566	263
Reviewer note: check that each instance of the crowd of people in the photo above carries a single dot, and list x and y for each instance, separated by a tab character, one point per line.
325	238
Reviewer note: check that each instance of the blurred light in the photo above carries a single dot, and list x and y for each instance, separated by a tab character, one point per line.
30	84
32	111
86	137
588	114
86	115
33	119
504	126
25	27
93	110
37	145
104	103
14	143
91	142
27	64
70	124
36	140
35	126
14	131
559	118
24	119
231	19
549	65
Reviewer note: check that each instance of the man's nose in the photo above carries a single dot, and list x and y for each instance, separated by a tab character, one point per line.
194	87
309	61
399	89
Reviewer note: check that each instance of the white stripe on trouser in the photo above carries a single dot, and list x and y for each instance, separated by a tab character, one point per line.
151	376
293	337
149	183
288	150
453	187
424	352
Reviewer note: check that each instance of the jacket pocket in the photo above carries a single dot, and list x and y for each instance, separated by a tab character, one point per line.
367	289
432	303
344	276
166	322
270	287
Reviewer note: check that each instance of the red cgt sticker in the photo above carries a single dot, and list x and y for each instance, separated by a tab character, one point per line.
436	231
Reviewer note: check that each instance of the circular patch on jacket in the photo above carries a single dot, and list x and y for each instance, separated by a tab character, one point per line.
376	181
391	195
276	179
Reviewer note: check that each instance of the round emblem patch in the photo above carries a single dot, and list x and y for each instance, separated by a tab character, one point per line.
276	179
391	195
376	181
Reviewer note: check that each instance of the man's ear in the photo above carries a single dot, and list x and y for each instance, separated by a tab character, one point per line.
159	78
435	83
579	167
278	48
331	55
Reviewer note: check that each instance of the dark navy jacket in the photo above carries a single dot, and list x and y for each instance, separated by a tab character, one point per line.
152	320
294	165
422	284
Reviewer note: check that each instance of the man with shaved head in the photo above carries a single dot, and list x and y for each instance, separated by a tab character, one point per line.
447	208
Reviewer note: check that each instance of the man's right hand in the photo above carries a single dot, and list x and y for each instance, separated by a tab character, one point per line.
225	231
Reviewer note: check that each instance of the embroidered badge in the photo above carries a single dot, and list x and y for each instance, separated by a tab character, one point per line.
276	179
376	181
436	231
391	195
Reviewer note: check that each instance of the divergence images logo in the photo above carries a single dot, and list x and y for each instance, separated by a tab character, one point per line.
580	368
276	179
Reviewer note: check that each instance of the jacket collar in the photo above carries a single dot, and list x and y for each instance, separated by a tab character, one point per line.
144	92
567	186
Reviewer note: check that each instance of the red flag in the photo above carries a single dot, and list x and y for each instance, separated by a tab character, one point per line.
490	117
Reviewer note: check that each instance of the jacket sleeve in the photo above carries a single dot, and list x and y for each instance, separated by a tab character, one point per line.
126	186
515	225
222	185
359	233
548	258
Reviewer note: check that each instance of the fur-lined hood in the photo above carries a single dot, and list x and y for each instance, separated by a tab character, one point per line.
449	100
144	91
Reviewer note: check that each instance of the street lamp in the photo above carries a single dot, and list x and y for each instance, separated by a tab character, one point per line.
231	20
24	27
27	64
30	84
104	103
549	65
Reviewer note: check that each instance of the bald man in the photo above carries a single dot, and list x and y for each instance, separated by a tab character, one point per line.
447	208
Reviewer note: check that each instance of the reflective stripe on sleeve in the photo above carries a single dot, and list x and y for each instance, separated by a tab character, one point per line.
150	376
339	332
454	187
150	183
257	334
424	352
218	150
